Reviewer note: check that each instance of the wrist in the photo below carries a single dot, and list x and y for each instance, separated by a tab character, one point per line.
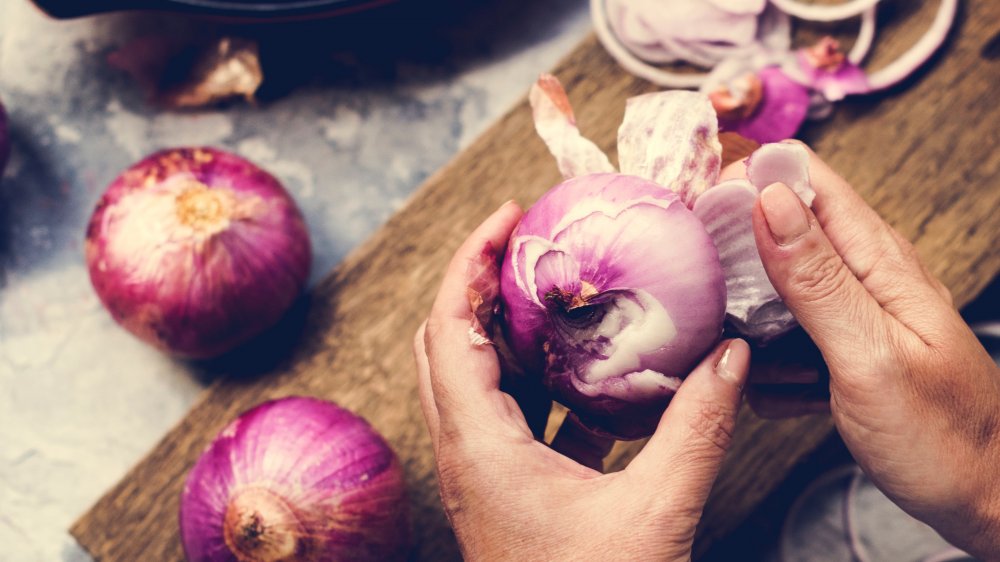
983	534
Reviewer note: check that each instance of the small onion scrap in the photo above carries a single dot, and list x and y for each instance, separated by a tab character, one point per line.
615	284
296	479
196	251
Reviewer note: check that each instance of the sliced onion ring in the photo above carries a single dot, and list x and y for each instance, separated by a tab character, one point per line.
866	36
813	12
632	63
919	53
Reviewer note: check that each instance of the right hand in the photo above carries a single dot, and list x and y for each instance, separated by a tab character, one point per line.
913	393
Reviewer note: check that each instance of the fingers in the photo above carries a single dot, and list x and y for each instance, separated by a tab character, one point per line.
427	404
873	252
582	445
463	376
812	279
682	459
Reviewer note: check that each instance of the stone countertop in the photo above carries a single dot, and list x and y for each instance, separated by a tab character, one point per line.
367	110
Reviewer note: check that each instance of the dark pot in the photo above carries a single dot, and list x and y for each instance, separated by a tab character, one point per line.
236	10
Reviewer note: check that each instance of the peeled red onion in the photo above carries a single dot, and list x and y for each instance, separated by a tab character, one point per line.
195	250
296	479
613	288
615	285
4	140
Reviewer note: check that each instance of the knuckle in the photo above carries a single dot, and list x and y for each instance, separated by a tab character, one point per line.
713	425
819	277
945	292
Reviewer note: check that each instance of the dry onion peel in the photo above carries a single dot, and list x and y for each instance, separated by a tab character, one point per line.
668	140
556	125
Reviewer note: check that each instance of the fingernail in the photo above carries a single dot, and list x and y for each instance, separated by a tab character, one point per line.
786	217
722	367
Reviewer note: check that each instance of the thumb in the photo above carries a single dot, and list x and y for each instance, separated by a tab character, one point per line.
811	277
682	459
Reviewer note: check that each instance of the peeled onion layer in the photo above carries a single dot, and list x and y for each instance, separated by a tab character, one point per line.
672	140
295	479
785	162
753	307
575	155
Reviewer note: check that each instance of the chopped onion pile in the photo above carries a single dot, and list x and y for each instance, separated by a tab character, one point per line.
615	284
759	86
296	479
196	250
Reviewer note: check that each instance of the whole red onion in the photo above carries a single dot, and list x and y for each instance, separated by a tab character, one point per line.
4	140
612	287
296	479
196	250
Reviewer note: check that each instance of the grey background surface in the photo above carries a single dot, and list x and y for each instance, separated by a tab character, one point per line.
369	111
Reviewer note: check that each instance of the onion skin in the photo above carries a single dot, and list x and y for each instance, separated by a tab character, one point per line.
632	254
4	140
296	479
196	251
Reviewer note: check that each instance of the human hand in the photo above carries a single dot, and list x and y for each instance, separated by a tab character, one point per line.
914	395
511	497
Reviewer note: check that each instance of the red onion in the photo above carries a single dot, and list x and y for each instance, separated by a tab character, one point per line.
295	479
612	287
196	250
4	140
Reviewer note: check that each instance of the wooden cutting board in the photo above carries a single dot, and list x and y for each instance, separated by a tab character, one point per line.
926	157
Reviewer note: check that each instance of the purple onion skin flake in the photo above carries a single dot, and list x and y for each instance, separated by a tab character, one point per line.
296	479
196	251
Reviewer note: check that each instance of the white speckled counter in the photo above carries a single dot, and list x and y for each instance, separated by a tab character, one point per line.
80	399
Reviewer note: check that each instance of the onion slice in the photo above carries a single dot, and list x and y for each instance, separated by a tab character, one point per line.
575	155
919	53
671	139
814	12
785	162
630	62
866	36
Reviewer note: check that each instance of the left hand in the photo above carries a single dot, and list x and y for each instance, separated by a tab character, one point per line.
511	497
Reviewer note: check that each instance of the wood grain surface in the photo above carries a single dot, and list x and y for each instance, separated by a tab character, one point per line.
924	156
